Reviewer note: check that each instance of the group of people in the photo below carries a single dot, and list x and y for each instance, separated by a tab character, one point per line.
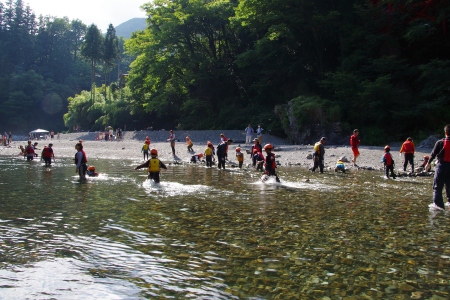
249	133
6	139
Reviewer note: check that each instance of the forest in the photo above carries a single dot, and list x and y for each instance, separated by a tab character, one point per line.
291	65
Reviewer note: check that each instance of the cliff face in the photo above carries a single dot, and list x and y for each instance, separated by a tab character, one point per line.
310	133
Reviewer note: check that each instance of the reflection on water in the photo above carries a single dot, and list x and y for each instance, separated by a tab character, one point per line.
209	234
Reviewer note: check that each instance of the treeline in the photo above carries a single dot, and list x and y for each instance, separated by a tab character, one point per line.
380	66
45	60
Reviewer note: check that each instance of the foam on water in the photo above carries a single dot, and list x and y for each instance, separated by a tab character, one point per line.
167	188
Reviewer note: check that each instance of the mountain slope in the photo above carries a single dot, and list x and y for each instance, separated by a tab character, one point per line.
127	28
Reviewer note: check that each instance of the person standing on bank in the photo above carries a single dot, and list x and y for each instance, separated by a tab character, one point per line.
409	149
80	161
248	134
319	154
171	139
259	131
354	142
441	151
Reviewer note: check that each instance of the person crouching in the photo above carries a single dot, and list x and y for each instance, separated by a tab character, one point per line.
340	166
196	158
154	166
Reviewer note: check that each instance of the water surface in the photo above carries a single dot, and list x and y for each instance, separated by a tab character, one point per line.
209	234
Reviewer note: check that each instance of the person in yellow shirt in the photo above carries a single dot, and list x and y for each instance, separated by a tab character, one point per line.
239	157
209	154
154	166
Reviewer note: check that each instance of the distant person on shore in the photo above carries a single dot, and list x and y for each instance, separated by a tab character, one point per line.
270	164
189	144
47	155
388	162
239	157
171	139
259	132
80	161
35	149
319	155
354	143
145	149
408	149
222	149
223	138
52	134
248	134
9	138
254	150
29	151
154	166
441	151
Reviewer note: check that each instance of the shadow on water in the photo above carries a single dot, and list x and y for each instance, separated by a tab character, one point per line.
209	234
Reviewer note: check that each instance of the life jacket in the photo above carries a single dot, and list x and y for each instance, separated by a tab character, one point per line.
29	149
408	147
153	165
83	160
317	148
270	158
47	152
256	147
145	147
340	165
208	151
388	159
240	157
446	149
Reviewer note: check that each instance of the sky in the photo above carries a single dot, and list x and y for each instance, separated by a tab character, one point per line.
98	12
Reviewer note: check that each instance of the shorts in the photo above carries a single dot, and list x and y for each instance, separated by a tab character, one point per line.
48	160
355	152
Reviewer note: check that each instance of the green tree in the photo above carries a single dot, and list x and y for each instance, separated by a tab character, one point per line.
92	49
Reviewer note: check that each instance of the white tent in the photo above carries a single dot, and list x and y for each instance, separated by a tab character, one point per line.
39	131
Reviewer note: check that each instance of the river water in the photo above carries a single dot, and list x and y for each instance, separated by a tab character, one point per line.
209	234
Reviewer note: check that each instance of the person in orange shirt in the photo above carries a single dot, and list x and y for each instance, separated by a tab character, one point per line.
408	149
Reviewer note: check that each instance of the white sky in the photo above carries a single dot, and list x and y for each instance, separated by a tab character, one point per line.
98	12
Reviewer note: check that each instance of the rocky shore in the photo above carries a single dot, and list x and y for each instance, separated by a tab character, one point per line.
129	147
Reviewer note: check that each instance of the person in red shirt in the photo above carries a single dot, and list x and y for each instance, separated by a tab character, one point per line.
409	149
354	142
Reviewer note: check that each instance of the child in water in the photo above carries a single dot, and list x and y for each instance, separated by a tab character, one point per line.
388	162
154	166
91	171
189	144
209	152
239	157
340	165
197	158
145	148
258	158
269	162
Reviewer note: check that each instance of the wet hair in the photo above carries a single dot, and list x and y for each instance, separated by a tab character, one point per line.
356	130
447	128
409	139
79	145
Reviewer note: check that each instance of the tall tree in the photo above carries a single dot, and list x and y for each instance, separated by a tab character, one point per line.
92	49
111	50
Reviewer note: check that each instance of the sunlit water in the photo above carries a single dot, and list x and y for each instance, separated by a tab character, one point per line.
209	234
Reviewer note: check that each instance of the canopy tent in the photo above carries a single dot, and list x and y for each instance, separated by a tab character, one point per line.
38	131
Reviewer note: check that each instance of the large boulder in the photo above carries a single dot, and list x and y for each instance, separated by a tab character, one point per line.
429	142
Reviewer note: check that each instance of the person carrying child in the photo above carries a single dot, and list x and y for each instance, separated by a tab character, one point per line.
239	157
388	162
154	166
269	162
189	144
